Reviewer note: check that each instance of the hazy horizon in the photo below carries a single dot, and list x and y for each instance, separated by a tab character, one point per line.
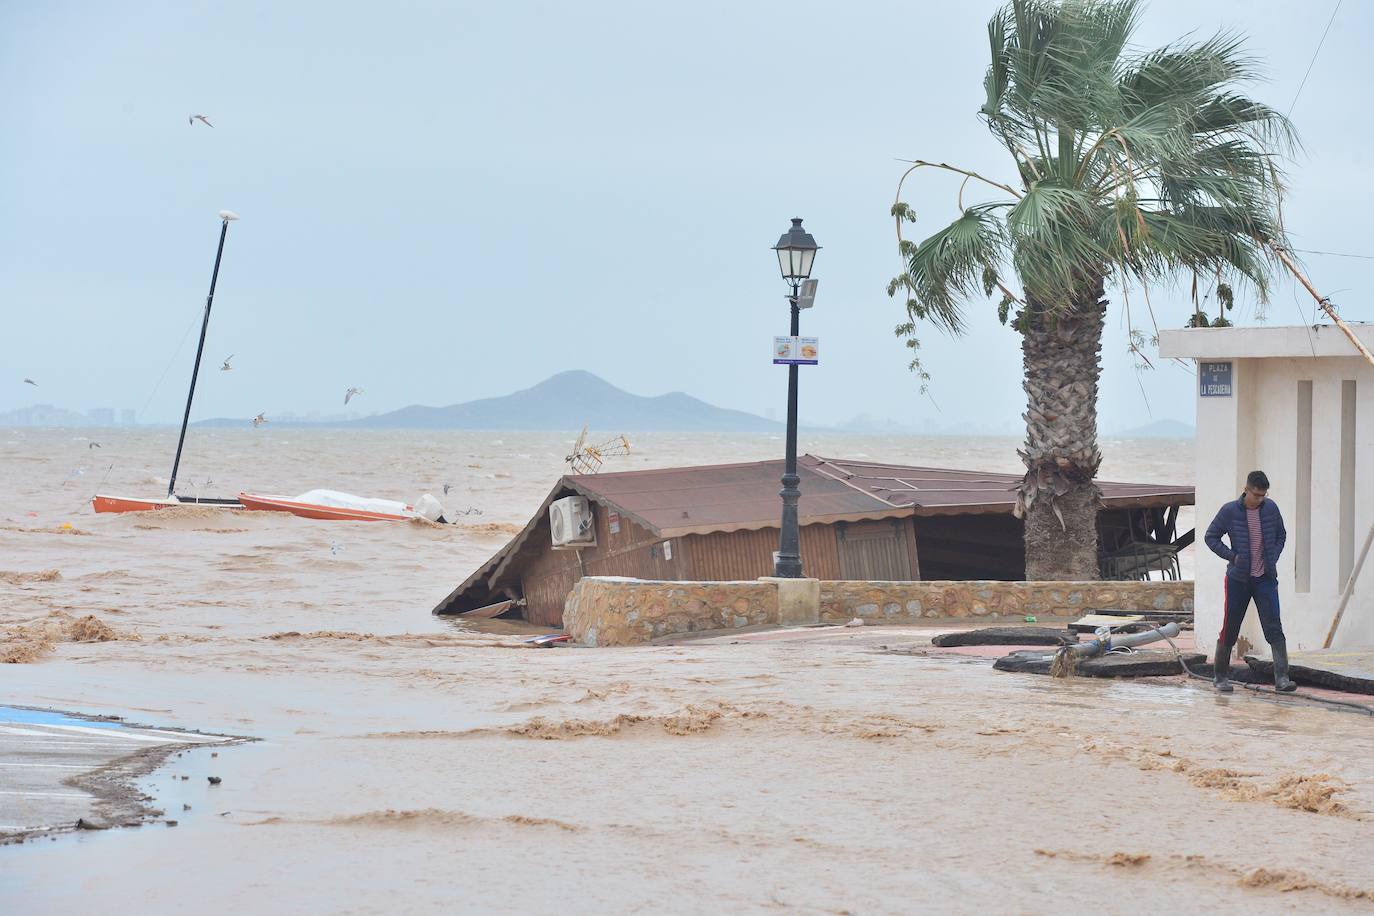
859	424
445	204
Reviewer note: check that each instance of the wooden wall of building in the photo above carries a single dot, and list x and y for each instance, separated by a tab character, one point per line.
950	547
734	555
548	575
632	551
879	550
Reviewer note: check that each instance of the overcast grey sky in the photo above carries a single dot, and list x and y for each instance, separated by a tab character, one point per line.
445	201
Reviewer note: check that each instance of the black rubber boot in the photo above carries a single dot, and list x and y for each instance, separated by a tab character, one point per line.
1221	667
1281	681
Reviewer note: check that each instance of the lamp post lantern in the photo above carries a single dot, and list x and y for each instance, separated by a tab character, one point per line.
796	252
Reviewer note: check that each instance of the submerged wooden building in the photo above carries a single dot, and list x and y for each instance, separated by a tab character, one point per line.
860	520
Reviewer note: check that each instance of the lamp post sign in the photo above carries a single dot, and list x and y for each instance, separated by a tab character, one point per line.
796	351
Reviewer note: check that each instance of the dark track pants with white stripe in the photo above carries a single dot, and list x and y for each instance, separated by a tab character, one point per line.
1265	592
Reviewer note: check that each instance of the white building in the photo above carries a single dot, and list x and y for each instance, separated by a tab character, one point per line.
1298	404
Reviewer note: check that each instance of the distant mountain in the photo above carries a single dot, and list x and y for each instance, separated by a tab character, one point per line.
564	402
1159	429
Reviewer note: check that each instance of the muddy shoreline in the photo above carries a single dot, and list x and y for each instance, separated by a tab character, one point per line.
117	800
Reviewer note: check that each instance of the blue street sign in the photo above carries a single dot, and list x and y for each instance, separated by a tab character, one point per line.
1214	380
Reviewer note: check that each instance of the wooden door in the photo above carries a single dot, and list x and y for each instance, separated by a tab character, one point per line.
876	551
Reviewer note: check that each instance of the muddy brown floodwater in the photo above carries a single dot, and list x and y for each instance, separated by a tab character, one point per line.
409	764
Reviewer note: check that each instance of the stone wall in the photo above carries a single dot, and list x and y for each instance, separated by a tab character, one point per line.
611	611
905	602
608	611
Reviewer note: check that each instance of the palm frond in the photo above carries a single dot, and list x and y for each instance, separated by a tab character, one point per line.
1053	247
1187	74
1133	164
948	267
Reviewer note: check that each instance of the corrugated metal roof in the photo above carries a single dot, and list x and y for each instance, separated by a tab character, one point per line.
672	502
942	491
730	497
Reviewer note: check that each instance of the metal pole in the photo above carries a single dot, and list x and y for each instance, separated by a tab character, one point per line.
200	348
1323	301
789	564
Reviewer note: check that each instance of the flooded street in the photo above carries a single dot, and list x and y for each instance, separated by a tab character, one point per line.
817	774
408	763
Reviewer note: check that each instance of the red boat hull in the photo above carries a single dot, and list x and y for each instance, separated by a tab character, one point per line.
313	510
139	504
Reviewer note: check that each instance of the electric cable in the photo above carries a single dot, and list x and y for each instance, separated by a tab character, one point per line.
1260	688
1310	63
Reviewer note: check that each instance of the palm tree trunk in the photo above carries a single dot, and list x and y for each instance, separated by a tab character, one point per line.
1058	498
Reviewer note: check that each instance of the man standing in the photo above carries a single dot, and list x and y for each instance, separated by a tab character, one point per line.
1255	529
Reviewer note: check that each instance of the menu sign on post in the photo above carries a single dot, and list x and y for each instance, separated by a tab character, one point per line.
796	351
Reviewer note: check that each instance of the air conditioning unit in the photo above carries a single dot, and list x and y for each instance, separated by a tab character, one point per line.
571	523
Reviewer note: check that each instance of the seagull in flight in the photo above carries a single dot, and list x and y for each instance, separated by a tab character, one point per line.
91	445
201	118
447	487
259	420
351	393
226	367
29	381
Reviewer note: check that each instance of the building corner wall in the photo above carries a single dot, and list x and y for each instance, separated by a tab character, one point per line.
1319	479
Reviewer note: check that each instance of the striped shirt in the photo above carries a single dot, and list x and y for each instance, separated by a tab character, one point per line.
1252	520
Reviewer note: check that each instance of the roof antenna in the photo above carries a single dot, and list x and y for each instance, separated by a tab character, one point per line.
587	459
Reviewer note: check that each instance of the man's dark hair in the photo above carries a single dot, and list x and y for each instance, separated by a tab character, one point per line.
1257	480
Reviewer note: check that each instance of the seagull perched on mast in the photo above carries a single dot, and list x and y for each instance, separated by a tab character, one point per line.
350	394
259	420
201	118
226	367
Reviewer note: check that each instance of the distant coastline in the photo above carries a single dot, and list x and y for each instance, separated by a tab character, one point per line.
565	403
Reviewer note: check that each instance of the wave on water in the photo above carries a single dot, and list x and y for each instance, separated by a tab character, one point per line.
692	719
492	529
179	513
197	529
31	641
471	640
424	818
247	562
323	634
21	578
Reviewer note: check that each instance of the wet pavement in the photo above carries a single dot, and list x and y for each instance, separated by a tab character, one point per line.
1351	663
42	752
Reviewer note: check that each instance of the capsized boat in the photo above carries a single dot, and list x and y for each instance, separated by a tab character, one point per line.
103	503
106	503
332	505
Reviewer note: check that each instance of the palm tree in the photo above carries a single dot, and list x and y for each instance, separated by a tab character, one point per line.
1131	168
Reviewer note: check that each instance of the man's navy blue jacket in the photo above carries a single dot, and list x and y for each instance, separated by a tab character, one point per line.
1231	521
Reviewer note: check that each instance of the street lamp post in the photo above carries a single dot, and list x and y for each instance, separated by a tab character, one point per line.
796	252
